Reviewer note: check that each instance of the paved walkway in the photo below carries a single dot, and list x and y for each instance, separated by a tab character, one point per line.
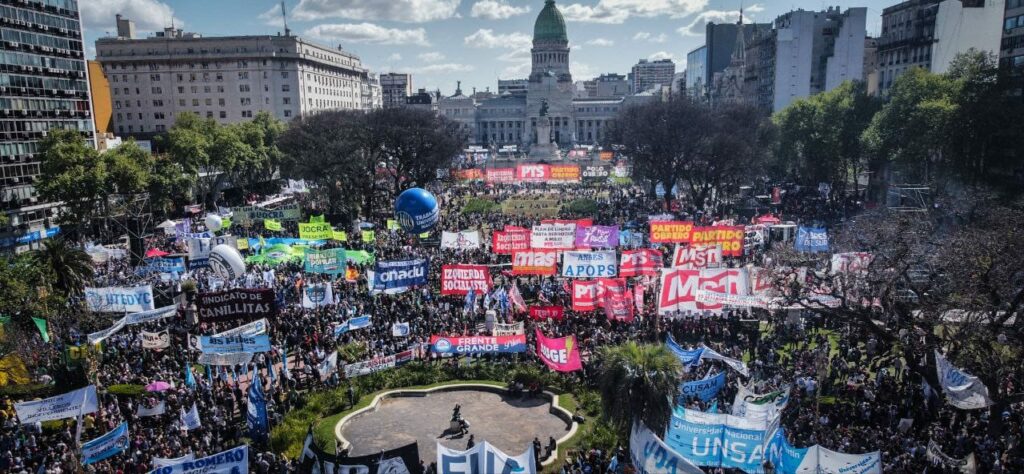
509	424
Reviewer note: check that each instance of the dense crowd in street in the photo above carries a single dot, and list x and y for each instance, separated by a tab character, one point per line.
846	393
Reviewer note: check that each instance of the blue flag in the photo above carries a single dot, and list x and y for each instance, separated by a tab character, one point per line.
190	380
687	357
256	414
811	239
284	363
110	444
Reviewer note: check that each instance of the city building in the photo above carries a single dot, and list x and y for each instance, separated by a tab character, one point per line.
1011	51
871	65
720	44
929	33
459	108
648	74
372	95
423	100
611	85
228	78
102	108
395	87
696	72
44	87
512	86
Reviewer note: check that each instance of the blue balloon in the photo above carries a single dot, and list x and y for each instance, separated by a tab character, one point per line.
416	210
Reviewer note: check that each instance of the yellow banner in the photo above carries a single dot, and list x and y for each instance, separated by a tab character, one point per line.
271	224
340	235
369	236
315	231
393	224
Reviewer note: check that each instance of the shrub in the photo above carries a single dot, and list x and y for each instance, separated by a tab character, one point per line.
27	391
128	390
585	207
478	206
352	352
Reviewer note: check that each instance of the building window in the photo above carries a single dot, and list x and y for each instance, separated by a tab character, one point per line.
223	114
157	90
195	102
158	103
287	100
284	74
243	75
220	102
181	102
194	89
220	77
206	89
246	114
154	77
287	113
158	115
209	102
243	88
209	114
246	101
220	89
181	89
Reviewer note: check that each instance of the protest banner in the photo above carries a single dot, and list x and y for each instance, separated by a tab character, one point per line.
159	409
484	458
678	290
560	354
462	240
151	315
671	232
117	299
533	173
589	264
67	405
650	455
461	279
400	329
272	225
248	329
811	239
401	460
502	329
377	364
640	262
400	275
115	442
245	215
618	302
315	231
163	265
553	236
967	465
584	295
501	175
317	294
164	462
704	389
564	173
595	173
469	174
697	256
232	461
855	263
236	304
730	238
535	262
329	261
231	358
477	344
717	440
963	390
156	340
584	222
597	236
224	345
542	313
506	242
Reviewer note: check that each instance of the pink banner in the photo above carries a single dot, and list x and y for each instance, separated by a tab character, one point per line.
560	354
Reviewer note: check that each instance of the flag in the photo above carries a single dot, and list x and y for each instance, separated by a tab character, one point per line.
41	325
470	301
369	236
263	244
190	419
316	219
517	298
393	224
714	407
271	224
190	380
340	236
256	413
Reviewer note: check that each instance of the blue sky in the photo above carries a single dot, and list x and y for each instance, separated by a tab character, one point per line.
475	41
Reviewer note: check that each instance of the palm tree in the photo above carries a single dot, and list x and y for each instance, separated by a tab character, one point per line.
70	266
639	382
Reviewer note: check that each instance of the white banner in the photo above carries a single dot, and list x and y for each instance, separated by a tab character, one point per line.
553	236
164	462
377	364
830	462
487	459
589	264
328	366
190	419
747	402
199	249
501	329
230	358
316	295
963	390
651	455
156	340
159	409
116	299
68	405
462	240
232	461
152	315
98	336
737	365
968	465
400	330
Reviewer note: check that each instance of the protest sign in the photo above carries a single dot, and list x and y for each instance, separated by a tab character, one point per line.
329	261
506	242
963	390
584	296
111	444
672	232
501	329
589	264
560	354
533	173
247	214
377	364
484	458
317	294
315	231
553	236
156	340
534	262
597	236
704	389
461	279
697	256
811	239
117	299
399	275
729	238
222	345
462	240
477	344
501	175
542	313
232	461
67	405
236	304
640	262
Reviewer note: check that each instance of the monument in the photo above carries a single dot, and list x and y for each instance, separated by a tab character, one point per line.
543	148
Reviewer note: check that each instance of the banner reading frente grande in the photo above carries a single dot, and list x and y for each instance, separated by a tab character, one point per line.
477	344
461	279
673	232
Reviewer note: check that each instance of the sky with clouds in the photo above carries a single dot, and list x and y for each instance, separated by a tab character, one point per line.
475	41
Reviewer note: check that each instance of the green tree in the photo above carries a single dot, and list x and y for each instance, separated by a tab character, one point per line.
639	382
128	169
70	267
71	172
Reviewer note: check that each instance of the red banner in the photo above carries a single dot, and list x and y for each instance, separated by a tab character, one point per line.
671	231
533	173
534	262
542	313
678	290
584	295
697	256
506	242
730	237
501	175
469	174
565	173
460	279
618	303
640	262
579	222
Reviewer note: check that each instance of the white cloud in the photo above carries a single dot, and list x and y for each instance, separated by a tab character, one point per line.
272	17
663	55
496	10
395	57
601	42
148	15
409	11
645	36
442	68
517	71
516	55
431	57
581	71
368	33
618	11
697	25
486	38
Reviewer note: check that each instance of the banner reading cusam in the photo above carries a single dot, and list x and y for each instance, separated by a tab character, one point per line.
640	262
460	279
553	236
589	264
68	405
116	299
232	461
560	354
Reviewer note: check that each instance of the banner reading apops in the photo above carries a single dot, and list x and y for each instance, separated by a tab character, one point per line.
477	344
728	236
506	242
674	232
640	262
534	262
315	231
235	304
460	279
541	313
560	354
533	173
589	264
117	299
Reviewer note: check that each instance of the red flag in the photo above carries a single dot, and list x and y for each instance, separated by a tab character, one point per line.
516	298
638	297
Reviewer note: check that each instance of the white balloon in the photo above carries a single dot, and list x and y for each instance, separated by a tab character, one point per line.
226	262
213	222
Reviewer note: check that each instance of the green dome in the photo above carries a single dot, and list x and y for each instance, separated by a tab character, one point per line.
550	25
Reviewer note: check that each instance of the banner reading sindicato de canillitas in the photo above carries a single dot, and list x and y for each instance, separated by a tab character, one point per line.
236	304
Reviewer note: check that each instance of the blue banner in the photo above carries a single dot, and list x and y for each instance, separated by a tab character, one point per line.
784	456
256	413
811	239
111	444
162	265
704	390
478	344
359	323
330	261
230	344
687	357
717	440
399	275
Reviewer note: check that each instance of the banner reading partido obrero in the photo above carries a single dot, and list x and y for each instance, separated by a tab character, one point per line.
477	344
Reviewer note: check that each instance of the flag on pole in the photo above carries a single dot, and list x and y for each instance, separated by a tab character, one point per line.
190	380
256	412
517	298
